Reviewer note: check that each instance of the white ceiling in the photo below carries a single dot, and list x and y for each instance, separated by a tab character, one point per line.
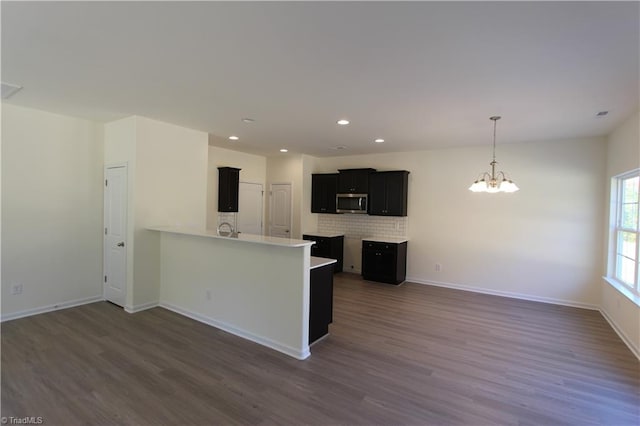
418	74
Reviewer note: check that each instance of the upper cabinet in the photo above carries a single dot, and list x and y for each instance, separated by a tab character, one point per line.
323	192
388	193
228	187
354	181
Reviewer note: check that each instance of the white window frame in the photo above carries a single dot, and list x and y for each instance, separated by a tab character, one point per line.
631	290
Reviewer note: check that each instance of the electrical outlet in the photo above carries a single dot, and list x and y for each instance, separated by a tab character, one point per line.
397	225
438	267
16	289
208	294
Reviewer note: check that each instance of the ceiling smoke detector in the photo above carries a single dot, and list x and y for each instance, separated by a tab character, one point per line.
9	90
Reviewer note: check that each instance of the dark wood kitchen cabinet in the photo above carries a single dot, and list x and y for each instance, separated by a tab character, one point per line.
330	247
323	192
228	188
354	181
384	261
388	193
320	301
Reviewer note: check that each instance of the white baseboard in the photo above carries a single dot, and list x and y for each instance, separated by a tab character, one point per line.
506	294
142	307
285	349
50	308
635	350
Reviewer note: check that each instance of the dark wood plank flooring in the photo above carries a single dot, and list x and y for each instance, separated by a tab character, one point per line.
412	354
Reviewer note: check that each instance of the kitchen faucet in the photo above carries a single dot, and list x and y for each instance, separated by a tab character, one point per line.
230	233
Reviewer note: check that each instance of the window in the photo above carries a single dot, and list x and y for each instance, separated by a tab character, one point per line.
625	238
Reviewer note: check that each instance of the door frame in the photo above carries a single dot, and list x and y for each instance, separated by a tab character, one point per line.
271	204
124	164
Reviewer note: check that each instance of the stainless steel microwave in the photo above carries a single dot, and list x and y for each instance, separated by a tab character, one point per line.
351	203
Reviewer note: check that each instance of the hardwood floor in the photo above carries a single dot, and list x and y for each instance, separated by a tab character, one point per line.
412	354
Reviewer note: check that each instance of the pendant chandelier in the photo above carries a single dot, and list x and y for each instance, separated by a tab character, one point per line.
493	182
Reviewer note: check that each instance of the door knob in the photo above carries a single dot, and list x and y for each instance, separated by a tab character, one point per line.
287	231
120	244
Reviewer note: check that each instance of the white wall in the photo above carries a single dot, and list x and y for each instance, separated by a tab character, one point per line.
623	155
265	300
253	170
51	210
542	243
289	168
171	189
167	186
308	220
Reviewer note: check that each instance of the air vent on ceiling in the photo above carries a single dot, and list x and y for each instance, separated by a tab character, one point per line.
9	90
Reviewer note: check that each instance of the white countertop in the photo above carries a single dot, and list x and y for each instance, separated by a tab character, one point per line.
317	262
323	234
242	237
391	240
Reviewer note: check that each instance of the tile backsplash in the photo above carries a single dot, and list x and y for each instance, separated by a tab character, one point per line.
361	225
351	225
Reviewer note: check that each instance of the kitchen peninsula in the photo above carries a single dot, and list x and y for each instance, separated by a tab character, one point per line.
254	286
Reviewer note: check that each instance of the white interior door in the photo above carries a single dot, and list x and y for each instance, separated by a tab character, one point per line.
280	223
115	233
250	208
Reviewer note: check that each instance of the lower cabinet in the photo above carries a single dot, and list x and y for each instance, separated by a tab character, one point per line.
330	247
384	261
320	301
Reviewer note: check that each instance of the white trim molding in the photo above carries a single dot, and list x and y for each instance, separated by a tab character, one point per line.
141	307
635	350
510	294
285	349
51	308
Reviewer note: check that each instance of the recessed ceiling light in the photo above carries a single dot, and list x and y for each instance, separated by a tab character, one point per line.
602	113
284	150
233	138
343	122
379	140
248	120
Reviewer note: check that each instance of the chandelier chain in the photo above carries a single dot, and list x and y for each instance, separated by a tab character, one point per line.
495	119
491	182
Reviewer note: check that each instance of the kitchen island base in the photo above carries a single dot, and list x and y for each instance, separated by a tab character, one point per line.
253	286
